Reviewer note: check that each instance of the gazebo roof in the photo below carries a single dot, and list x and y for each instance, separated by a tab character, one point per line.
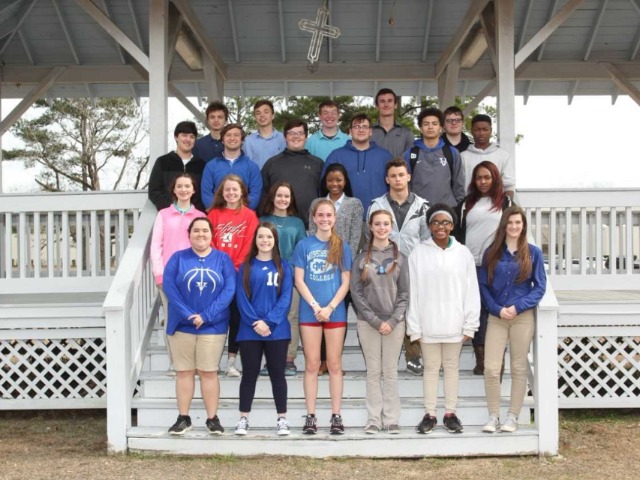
257	48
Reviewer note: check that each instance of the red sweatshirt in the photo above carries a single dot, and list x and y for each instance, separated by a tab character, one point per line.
233	232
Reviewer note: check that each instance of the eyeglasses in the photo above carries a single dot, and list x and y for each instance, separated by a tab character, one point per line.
360	127
437	224
453	120
295	134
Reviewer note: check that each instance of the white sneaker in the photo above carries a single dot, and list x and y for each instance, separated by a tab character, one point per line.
242	427
510	424
492	425
282	427
232	371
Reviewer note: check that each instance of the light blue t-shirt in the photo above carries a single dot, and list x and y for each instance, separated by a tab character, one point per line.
260	149
321	146
310	255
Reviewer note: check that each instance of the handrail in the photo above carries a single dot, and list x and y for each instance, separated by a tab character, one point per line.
130	308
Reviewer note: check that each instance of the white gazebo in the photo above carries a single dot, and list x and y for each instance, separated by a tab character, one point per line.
78	311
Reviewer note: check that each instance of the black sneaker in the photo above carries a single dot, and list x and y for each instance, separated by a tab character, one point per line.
337	428
214	427
427	424
182	425
452	423
310	424
414	366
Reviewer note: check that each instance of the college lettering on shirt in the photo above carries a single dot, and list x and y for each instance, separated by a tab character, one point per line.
229	234
318	269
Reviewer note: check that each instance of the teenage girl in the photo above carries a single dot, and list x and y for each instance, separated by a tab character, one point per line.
170	231
322	268
263	293
512	283
443	311
479	215
279	208
234	225
380	291
336	186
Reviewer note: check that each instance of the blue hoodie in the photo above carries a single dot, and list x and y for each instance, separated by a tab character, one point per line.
367	170
220	167
431	179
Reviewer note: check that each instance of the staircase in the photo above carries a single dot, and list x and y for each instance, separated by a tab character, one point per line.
157	410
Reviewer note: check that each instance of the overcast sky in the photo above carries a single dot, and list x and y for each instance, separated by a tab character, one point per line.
590	143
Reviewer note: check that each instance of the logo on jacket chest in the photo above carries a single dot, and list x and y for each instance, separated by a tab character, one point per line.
228	233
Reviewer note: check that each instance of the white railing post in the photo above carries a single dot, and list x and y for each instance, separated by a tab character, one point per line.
546	373
118	390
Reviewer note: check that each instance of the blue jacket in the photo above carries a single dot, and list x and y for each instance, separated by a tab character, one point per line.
265	303
220	167
203	285
366	169
504	291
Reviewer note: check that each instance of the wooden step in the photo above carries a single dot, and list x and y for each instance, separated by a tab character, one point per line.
159	412
408	444
162	385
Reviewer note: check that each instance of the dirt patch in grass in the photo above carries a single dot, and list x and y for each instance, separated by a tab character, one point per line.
72	445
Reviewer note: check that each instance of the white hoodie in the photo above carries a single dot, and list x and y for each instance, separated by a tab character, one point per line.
444	300
472	156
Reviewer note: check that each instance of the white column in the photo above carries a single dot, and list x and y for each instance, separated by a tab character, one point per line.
1	136
506	75
158	71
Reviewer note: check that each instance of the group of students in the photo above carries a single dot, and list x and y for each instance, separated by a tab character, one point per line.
267	284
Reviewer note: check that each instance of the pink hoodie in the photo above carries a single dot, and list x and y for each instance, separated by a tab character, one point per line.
170	235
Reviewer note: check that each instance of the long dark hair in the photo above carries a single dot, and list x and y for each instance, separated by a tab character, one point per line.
275	256
365	272
335	167
523	255
496	193
267	207
172	185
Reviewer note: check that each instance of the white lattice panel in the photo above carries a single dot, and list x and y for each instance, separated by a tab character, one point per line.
593	369
70	368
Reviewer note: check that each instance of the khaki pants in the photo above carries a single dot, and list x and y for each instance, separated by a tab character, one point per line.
294	318
519	333
447	356
381	353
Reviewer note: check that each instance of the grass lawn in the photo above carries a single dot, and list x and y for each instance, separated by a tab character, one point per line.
598	444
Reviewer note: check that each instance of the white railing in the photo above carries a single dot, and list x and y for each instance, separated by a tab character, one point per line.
131	309
65	235
590	237
545	368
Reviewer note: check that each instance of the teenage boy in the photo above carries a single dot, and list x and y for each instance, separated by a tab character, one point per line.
453	125
364	161
409	229
483	149
387	133
232	161
168	166
329	137
210	146
266	142
296	166
436	169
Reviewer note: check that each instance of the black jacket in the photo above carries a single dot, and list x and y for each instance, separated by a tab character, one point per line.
163	173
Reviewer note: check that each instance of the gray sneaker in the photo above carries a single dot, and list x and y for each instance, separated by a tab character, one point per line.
371	429
242	427
492	425
510	424
393	429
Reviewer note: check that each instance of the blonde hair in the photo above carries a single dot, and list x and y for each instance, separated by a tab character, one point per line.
334	254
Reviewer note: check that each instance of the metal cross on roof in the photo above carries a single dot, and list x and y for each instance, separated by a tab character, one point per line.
319	29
